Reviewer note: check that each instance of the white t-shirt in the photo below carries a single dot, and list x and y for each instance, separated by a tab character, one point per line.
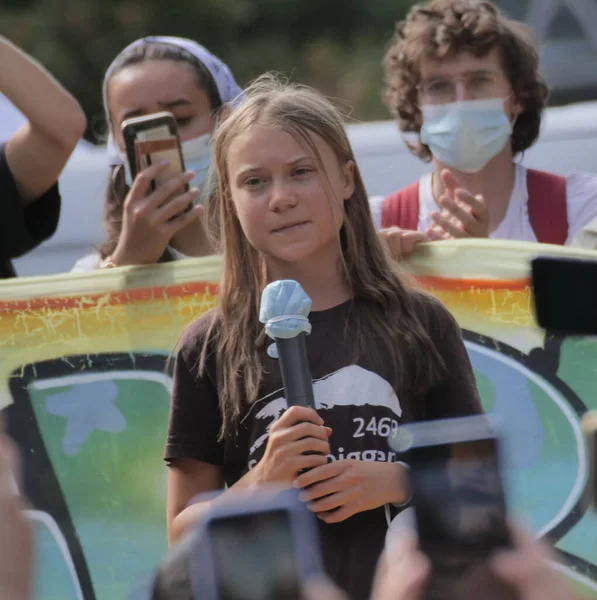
581	200
93	261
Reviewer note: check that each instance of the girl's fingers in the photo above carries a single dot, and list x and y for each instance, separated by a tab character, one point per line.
310	445
298	414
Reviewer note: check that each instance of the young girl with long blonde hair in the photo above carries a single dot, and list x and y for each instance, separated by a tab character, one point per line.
291	204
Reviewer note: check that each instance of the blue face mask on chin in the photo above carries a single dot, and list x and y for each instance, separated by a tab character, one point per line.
197	157
466	135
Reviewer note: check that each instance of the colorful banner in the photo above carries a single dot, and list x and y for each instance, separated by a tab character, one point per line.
84	391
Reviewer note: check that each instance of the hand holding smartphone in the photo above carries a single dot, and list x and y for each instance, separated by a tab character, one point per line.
159	203
262	546
150	140
459	503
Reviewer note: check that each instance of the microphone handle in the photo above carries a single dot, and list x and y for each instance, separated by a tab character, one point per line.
296	375
294	368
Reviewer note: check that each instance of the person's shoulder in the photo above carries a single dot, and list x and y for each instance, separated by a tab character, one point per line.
204	329
581	202
581	183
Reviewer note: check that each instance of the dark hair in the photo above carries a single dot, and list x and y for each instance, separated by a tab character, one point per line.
117	188
442	28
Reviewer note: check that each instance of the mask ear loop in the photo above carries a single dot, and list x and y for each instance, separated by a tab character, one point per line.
517	159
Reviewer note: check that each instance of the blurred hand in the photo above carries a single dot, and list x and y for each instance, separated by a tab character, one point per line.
16	535
463	215
346	487
322	589
527	569
150	220
401	242
297	431
402	572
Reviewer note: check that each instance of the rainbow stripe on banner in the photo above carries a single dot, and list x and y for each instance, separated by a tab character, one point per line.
84	391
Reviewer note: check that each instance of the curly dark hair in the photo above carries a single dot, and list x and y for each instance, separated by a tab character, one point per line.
117	188
441	28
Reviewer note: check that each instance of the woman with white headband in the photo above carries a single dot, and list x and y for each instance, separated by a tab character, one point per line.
151	75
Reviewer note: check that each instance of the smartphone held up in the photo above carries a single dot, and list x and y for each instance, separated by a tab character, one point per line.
263	546
459	503
150	140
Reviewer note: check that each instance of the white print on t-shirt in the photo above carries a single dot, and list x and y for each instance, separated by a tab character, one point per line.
350	386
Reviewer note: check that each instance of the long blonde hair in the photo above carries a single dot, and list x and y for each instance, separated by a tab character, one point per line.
388	314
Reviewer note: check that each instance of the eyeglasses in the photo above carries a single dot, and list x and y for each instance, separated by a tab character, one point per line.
478	85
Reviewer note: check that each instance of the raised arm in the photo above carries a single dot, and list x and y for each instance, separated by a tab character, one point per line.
38	151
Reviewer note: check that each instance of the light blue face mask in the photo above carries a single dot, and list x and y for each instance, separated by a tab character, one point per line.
466	135
197	157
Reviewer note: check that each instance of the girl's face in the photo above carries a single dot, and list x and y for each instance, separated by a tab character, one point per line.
285	206
155	86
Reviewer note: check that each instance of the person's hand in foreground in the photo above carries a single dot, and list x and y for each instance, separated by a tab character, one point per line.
16	535
403	570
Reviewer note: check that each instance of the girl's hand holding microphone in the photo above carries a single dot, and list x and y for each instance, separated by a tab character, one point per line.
151	219
298	431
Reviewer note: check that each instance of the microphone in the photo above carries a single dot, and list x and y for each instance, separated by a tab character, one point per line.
284	310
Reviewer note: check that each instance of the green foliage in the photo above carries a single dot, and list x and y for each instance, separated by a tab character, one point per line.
334	45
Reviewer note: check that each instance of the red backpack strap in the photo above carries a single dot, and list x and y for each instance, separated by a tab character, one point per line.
548	212
402	209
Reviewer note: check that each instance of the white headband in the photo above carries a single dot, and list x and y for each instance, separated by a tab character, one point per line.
230	92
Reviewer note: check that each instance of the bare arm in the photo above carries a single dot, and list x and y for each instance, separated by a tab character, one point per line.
286	454
186	479
38	151
16	534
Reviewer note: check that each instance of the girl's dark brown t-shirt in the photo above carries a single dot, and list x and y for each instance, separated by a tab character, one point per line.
355	399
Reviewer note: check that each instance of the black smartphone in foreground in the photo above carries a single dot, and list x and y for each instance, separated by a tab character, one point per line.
459	503
259	546
565	294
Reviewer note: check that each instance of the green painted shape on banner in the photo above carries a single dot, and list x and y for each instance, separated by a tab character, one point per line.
486	391
53	579
579	541
115	486
115	483
537	493
578	368
540	491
